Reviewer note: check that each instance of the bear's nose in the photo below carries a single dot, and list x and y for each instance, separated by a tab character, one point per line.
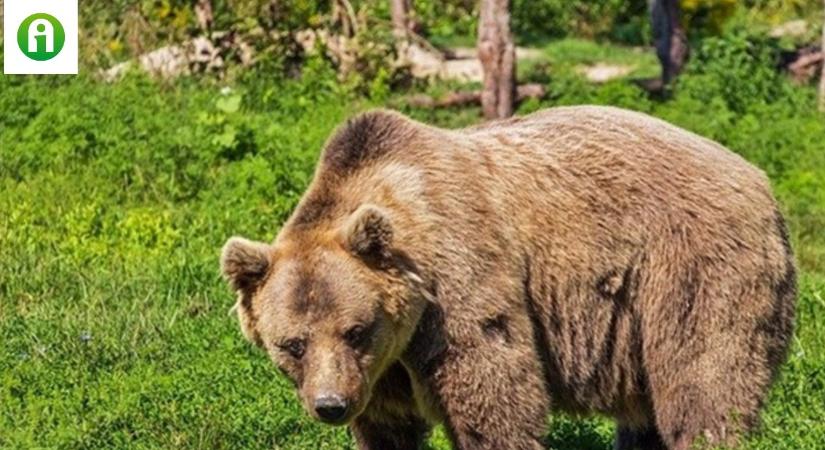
331	408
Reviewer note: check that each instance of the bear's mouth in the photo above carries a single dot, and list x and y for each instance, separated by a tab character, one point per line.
336	422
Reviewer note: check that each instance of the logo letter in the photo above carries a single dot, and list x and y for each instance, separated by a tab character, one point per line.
38	28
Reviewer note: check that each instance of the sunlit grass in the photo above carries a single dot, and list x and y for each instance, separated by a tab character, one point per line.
114	202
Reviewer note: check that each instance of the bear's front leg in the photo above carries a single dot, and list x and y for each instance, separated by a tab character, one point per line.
492	392
389	433
391	420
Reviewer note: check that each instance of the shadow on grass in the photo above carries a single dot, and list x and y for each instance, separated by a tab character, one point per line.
563	433
571	434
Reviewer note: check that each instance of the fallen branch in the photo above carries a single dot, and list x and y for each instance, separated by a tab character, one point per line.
457	99
806	61
804	64
198	55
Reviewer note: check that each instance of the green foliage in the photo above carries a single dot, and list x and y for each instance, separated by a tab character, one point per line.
778	11
707	15
116	30
536	20
619	20
448	19
738	69
557	18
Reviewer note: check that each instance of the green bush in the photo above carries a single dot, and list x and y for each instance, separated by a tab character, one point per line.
116	30
738	69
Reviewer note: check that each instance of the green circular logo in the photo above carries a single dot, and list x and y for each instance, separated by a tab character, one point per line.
41	37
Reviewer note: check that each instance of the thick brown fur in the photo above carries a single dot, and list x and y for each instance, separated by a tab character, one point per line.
582	259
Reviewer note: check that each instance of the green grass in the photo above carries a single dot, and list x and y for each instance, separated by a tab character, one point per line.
572	52
115	200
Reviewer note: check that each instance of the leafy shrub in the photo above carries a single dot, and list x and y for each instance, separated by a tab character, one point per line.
115	30
739	69
707	16
539	20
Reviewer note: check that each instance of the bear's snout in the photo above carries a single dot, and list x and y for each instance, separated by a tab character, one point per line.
331	408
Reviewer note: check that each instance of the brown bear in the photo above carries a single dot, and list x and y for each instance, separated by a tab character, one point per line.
579	259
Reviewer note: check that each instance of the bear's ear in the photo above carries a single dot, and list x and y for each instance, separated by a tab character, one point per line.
244	263
368	234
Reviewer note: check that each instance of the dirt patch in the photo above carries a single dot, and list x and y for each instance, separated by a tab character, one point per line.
604	72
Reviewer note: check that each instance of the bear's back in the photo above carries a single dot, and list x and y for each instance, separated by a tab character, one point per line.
611	167
600	134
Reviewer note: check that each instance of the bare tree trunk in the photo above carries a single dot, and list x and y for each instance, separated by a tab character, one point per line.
402	24
203	12
669	37
498	59
822	76
343	13
274	13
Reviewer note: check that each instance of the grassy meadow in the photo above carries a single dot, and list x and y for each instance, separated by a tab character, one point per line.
116	198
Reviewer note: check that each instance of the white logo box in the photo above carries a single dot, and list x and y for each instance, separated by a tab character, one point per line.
15	62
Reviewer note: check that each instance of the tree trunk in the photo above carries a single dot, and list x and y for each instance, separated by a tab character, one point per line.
343	13
822	75
498	59
402	25
203	12
670	37
273	14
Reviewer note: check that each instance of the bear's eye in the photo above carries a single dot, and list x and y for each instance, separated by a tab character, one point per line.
356	335
295	347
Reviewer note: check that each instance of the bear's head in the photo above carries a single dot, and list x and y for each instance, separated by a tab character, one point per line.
333	307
